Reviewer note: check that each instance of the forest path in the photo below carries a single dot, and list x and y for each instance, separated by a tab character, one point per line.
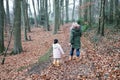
83	68
74	69
102	63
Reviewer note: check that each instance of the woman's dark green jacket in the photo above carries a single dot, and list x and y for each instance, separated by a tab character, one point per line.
75	35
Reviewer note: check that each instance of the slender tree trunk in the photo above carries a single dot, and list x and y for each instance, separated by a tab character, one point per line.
62	11
107	11
7	18
49	8
38	9
17	27
28	21
103	17
80	10
117	12
56	20
35	16
24	14
46	14
1	26
59	17
73	10
90	21
7	11
99	24
67	12
111	12
85	11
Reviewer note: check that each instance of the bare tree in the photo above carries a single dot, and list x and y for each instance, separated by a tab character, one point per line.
46	14
24	18
17	27
56	20
7	13
103	17
80	10
67	12
62	11
73	12
1	26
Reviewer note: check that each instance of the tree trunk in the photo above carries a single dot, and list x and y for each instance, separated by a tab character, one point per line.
99	24
38	9
8	14
85	12
67	12
73	10
89	14
80	10
62	12
107	11
28	21
47	17
56	20
111	12
35	16
103	17
43	14
1	26
17	27
117	13
24	14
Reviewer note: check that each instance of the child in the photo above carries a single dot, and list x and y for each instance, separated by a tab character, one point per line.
57	52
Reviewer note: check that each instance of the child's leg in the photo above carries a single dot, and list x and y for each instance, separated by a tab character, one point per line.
58	62
54	61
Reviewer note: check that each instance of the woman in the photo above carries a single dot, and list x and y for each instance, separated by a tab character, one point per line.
75	43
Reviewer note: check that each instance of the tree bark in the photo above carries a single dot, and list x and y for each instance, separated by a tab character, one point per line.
103	17
24	14
80	10
27	17
85	11
89	16
117	11
17	27
47	17
73	10
67	12
62	12
99	24
111	12
1	26
7	11
56	20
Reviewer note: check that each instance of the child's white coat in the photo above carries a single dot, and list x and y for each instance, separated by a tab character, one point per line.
57	50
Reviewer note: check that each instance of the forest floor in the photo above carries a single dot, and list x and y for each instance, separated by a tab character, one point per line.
99	59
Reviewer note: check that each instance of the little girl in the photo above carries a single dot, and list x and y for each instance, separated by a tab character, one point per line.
57	53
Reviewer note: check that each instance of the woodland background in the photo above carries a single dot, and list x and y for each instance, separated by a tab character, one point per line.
28	28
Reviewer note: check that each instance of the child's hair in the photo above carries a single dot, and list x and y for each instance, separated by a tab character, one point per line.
55	41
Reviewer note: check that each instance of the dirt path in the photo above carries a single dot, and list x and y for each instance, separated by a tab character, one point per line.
70	70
